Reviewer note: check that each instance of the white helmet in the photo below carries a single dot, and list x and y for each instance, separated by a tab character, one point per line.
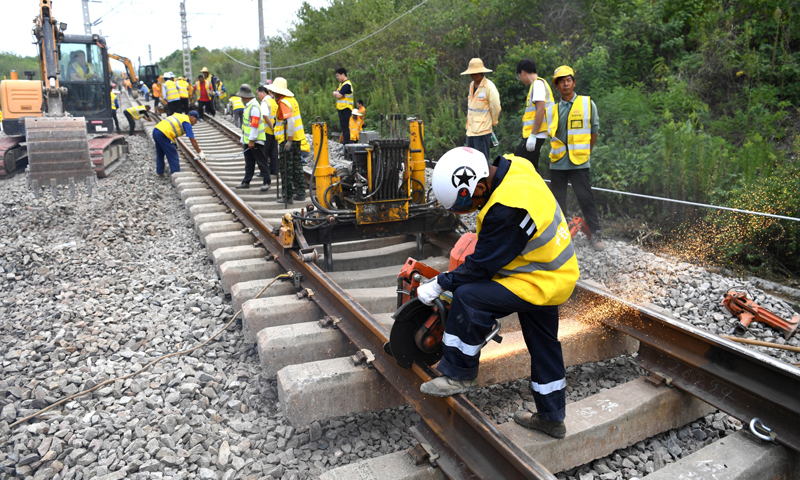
455	177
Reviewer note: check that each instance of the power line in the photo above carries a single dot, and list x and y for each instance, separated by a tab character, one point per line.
237	61
354	43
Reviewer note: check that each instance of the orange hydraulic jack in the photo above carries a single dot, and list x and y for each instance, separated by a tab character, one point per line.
749	311
578	225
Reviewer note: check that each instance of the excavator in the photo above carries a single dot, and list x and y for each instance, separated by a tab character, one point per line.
48	121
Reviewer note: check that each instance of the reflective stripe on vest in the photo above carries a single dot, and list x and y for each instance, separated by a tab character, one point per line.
171	91
80	72
136	111
545	271
246	128
479	114
530	110
237	102
346	102
113	103
299	133
183	89
273	112
579	132
172	126
221	91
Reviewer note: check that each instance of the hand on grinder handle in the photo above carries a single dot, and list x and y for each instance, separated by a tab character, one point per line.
429	291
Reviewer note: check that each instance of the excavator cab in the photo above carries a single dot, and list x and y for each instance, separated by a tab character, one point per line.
83	70
149	74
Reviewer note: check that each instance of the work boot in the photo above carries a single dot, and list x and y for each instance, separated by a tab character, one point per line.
597	242
532	420
299	197
445	386
264	188
286	200
242	185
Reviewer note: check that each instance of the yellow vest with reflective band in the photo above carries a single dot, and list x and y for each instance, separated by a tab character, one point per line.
113	98
137	111
346	102
262	135
80	71
273	112
222	95
299	133
145	88
546	270
479	112
172	126
530	110
579	132
183	89
237	103
171	91
209	89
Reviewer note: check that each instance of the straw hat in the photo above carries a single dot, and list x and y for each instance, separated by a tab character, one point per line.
245	91
204	70
280	87
475	66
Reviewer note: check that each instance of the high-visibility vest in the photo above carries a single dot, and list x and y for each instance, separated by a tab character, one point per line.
355	127
346	102
171	91
209	88
579	132
530	110
299	133
221	91
81	72
246	127
546	270
183	89
172	126
479	112
156	90
113	101
137	111
237	103
273	112
144	87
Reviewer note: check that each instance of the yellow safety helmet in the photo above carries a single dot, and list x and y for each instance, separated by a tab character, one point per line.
563	71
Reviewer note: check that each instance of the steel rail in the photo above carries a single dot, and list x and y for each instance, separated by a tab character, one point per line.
469	444
737	380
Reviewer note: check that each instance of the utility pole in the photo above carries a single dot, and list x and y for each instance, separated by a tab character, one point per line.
87	24
262	43
150	53
187	52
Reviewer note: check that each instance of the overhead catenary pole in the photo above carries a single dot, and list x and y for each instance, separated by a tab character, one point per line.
262	44
87	24
187	52
150	53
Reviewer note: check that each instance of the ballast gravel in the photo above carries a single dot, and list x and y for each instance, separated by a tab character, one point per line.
95	288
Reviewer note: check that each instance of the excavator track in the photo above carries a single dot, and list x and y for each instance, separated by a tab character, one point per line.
107	153
13	155
58	153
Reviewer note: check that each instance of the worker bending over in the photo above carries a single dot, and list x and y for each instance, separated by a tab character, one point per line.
483	107
573	134
289	134
524	262
254	139
135	113
344	102
165	136
143	90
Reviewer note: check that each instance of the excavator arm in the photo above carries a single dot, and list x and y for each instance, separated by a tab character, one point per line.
49	34
128	66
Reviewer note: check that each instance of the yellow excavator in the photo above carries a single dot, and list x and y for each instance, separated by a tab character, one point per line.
48	121
131	72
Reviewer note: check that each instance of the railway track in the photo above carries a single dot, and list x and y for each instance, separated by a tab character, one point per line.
308	334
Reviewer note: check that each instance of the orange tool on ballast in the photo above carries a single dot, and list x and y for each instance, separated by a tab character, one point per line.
749	311
578	225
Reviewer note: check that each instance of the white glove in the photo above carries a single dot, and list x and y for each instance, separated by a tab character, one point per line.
430	291
202	156
530	145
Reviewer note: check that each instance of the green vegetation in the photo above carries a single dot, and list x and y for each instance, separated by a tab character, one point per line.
10	61
697	98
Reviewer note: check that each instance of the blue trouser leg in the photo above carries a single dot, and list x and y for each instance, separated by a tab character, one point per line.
473	312
165	147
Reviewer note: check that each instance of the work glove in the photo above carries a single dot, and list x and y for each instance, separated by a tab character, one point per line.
202	156
530	145
287	147
429	291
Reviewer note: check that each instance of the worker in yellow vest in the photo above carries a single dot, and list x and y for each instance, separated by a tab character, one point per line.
183	93
356	123
269	110
344	102
165	136
539	103
290	135
237	110
172	96
254	139
524	262
114	106
483	107
573	133
136	112
204	90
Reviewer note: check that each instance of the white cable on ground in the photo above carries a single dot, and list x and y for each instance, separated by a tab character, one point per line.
163	357
695	204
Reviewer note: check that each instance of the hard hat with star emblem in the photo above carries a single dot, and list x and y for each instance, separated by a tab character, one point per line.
455	177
